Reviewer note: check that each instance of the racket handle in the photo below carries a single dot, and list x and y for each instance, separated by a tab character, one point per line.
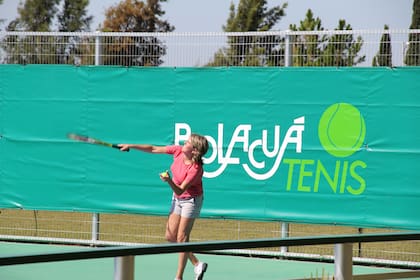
117	147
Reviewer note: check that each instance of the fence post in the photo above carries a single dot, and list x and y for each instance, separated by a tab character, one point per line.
284	234
95	226
288	53
124	268
98	49
343	261
98	61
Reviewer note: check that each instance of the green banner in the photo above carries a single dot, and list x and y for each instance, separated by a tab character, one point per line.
312	145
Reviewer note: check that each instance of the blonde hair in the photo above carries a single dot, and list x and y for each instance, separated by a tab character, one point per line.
200	145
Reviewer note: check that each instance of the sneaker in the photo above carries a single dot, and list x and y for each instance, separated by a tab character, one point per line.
199	270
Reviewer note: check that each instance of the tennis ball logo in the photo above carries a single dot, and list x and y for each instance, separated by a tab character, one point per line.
341	130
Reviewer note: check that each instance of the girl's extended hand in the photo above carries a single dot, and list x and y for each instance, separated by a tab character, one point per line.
124	147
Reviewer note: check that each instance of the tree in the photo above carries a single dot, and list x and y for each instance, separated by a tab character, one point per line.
251	15
35	15
307	49
412	56
39	15
384	55
315	50
342	49
74	18
1	20
136	16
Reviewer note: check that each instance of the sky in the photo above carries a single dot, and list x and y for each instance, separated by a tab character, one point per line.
211	15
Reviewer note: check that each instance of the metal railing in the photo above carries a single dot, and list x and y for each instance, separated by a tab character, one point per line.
337	48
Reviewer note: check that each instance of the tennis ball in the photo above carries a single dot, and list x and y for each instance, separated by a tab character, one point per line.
341	130
165	174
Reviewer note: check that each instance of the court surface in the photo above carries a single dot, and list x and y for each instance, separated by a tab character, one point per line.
162	267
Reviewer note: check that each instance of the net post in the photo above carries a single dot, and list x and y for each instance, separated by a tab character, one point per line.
124	268
343	261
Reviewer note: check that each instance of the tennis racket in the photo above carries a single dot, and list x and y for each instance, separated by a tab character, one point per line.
90	140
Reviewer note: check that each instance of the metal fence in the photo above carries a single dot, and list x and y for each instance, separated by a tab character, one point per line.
360	48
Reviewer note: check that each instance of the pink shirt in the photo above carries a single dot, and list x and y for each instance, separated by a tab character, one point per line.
193	173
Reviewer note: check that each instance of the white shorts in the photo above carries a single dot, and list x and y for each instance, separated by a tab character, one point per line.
187	207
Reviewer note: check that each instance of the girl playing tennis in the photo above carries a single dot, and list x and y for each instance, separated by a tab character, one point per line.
187	186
